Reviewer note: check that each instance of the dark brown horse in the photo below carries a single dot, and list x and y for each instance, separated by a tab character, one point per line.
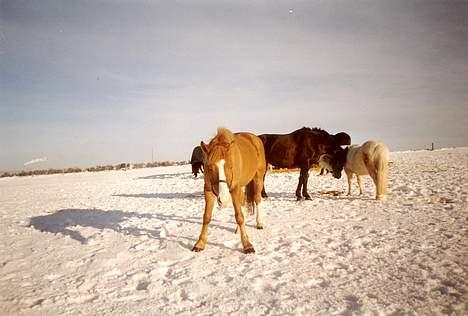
301	149
197	160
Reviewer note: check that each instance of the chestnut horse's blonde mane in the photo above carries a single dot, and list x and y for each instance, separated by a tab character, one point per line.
224	136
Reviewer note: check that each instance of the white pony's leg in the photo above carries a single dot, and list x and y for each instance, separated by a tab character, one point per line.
359	183
349	175
259	217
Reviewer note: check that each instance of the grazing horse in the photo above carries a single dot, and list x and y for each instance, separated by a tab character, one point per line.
370	158
197	160
301	149
233	161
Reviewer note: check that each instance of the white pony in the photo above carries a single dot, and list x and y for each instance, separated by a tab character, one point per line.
370	158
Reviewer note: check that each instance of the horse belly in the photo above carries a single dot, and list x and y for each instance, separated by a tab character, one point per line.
361	169
357	166
282	157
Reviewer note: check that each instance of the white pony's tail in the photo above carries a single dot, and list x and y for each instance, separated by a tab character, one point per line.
381	164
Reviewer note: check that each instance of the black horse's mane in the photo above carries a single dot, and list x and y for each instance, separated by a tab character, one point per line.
306	129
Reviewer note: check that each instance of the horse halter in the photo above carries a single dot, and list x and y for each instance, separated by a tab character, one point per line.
222	181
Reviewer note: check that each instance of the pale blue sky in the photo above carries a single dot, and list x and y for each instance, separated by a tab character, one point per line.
98	82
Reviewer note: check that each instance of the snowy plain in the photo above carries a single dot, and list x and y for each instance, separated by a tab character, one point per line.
119	243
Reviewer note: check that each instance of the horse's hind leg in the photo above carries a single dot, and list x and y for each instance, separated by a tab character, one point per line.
259	217
209	205
303	178
299	187
253	193
248	248
359	182
373	174
372	170
264	194
257	198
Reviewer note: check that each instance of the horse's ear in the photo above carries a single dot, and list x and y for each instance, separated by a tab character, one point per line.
204	147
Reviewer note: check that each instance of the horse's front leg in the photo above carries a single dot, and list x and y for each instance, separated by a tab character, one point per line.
305	180
209	205
236	201
299	187
349	176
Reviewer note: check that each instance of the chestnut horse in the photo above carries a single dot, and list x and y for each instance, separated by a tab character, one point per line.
301	149
370	158
233	161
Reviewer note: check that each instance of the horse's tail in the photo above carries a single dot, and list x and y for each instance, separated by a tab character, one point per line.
381	165
250	197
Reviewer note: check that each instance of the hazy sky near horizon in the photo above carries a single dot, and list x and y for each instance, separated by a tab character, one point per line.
98	82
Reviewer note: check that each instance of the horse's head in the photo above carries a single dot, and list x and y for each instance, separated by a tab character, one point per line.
334	161
218	170
342	138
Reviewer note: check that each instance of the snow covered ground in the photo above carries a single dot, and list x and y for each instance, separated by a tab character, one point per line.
119	243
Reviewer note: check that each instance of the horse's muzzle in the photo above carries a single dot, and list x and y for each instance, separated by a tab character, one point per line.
223	203
337	175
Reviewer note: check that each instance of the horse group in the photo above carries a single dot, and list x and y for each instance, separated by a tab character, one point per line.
234	161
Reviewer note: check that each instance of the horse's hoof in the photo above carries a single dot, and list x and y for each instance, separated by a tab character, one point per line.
307	197
249	250
299	198
259	226
196	249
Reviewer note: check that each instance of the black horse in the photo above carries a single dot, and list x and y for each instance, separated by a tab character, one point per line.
301	149
197	160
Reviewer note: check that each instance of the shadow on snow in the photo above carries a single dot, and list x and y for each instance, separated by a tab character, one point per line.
62	222
181	175
162	195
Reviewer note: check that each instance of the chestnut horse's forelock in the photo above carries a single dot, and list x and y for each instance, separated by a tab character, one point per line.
216	153
218	148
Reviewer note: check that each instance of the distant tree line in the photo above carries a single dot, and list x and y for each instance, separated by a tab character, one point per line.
121	166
